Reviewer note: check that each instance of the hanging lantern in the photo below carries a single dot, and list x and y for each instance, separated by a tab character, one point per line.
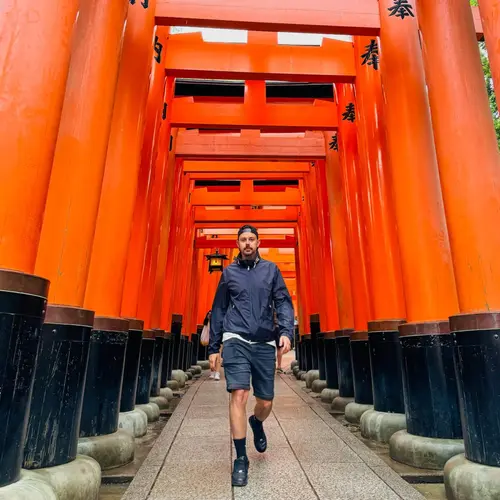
216	261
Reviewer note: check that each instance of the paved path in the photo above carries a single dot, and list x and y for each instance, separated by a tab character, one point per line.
310	455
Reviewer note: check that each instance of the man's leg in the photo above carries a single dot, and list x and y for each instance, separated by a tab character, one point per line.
263	365
238	419
217	366
237	358
262	408
280	357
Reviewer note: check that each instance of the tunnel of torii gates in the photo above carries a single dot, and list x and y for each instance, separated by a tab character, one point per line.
377	195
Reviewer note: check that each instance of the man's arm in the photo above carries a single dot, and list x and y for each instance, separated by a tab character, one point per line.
283	305
219	308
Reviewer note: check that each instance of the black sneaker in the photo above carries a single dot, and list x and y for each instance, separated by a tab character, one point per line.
240	472
259	436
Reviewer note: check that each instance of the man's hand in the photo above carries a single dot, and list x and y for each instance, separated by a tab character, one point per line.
285	344
214	359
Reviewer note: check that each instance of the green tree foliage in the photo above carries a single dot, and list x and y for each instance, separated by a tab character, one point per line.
489	83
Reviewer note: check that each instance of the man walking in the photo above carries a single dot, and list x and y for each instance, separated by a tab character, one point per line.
249	291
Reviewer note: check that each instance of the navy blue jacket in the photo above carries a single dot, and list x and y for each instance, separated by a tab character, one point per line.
245	301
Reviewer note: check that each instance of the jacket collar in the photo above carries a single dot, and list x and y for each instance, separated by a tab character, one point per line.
246	262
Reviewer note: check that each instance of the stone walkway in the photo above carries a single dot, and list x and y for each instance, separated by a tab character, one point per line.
310	455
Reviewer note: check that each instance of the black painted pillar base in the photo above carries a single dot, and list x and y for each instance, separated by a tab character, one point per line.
23	300
166	365
182	353
202	349
344	364
302	356
103	385
430	385
361	370
315	329
434	432
145	376
332	378
477	359
195	339
131	371
157	362
386	366
189	354
296	345
321	356
56	404
308	355
176	338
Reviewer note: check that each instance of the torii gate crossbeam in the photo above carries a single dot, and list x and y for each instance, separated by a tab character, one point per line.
348	17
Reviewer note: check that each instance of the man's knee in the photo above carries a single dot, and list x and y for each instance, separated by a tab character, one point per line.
265	403
239	396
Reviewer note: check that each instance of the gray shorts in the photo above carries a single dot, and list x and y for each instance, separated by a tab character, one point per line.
244	361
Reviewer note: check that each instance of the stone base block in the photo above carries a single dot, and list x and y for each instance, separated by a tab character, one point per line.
189	376
197	369
294	363
466	480
77	480
205	365
135	422
328	395
380	426
151	410
160	401
167	393
339	404
29	487
111	450
311	376
354	411
423	452
318	385
295	370
299	374
303	376
180	376
173	384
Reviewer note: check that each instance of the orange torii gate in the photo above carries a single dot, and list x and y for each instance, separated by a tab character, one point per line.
221	218
188	55
255	168
191	146
267	117
347	17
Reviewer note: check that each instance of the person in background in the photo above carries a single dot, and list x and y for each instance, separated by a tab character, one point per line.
214	370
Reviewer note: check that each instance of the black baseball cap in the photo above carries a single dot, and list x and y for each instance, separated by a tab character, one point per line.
247	228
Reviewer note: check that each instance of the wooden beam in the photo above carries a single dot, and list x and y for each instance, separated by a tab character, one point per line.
348	17
246	215
247	167
287	242
237	224
186	57
293	117
224	147
206	176
203	197
357	17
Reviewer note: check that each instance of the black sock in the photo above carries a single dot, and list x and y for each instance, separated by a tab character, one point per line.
257	423
241	447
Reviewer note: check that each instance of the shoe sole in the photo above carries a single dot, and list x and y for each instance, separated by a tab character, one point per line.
237	485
